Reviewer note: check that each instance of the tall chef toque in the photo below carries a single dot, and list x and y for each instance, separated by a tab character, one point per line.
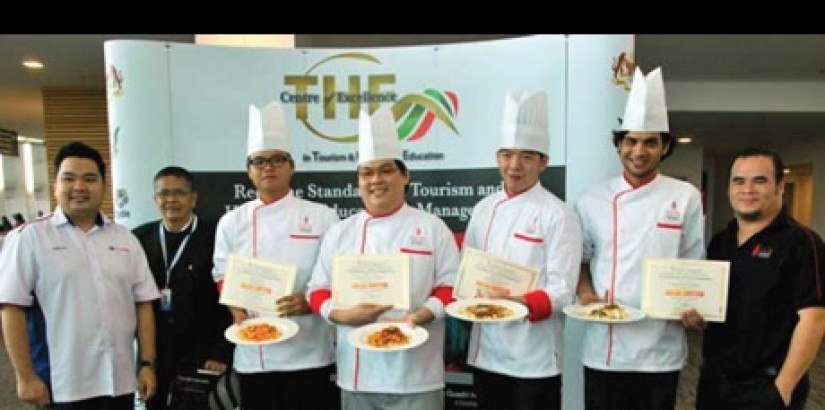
377	136
267	129
646	110
524	124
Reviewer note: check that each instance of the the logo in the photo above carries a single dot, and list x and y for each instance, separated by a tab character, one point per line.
418	237
761	252
533	226
122	197
673	213
623	68
114	79
305	225
414	113
121	200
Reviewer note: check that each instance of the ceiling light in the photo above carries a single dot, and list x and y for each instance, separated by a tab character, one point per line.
684	140
33	64
786	171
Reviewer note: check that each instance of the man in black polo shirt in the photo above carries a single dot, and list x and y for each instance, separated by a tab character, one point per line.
758	358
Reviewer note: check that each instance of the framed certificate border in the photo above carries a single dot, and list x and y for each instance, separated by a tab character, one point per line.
467	277
256	294
395	280
672	286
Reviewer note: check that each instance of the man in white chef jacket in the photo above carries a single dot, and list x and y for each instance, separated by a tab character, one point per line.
82	285
636	215
516	364
281	228
410	379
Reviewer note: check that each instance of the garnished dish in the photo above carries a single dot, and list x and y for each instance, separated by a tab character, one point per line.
390	336
610	311
387	337
259	332
483	311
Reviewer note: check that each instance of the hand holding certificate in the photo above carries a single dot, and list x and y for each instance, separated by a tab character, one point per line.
673	286
482	274
374	279
256	284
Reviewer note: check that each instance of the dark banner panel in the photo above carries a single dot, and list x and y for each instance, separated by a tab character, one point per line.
449	194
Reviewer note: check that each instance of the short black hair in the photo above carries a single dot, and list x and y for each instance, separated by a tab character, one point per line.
180	172
78	149
778	165
667	140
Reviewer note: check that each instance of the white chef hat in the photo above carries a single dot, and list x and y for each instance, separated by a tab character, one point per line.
377	136
267	129
646	109
524	124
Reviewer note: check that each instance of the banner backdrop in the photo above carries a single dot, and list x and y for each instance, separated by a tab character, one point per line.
187	105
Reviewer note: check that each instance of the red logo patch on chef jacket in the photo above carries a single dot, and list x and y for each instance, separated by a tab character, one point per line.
673	213
305	225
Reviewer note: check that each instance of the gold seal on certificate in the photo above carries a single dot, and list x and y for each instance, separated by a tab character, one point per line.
378	279
256	284
674	285
481	274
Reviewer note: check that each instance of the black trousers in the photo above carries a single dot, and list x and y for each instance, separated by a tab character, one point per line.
719	391
629	390
292	390
498	392
125	402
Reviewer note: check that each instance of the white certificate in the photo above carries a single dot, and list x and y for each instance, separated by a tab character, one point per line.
481	274
256	284
674	285
378	279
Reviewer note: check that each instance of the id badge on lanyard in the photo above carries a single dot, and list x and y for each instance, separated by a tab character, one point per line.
166	292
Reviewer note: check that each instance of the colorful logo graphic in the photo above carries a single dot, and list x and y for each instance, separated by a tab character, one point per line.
414	113
623	67
114	79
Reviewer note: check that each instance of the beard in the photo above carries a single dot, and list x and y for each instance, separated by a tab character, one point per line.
751	216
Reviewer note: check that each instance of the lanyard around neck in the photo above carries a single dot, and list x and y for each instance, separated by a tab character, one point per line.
162	234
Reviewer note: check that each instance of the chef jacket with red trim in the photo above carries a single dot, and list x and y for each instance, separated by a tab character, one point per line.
622	226
287	231
433	262
537	229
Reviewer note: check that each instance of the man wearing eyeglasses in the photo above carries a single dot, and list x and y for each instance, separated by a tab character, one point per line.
190	322
410	379
516	364
278	227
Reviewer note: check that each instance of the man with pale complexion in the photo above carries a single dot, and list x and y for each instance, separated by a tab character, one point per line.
759	357
280	228
84	283
516	364
411	379
190	322
626	219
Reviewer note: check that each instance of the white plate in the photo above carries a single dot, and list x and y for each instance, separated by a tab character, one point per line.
456	309
287	327
581	313
358	337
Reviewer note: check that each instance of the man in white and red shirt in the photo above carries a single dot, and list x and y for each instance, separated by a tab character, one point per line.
82	285
516	364
281	228
639	214
410	379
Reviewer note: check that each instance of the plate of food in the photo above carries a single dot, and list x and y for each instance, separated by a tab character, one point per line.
388	336
261	331
604	313
483	310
